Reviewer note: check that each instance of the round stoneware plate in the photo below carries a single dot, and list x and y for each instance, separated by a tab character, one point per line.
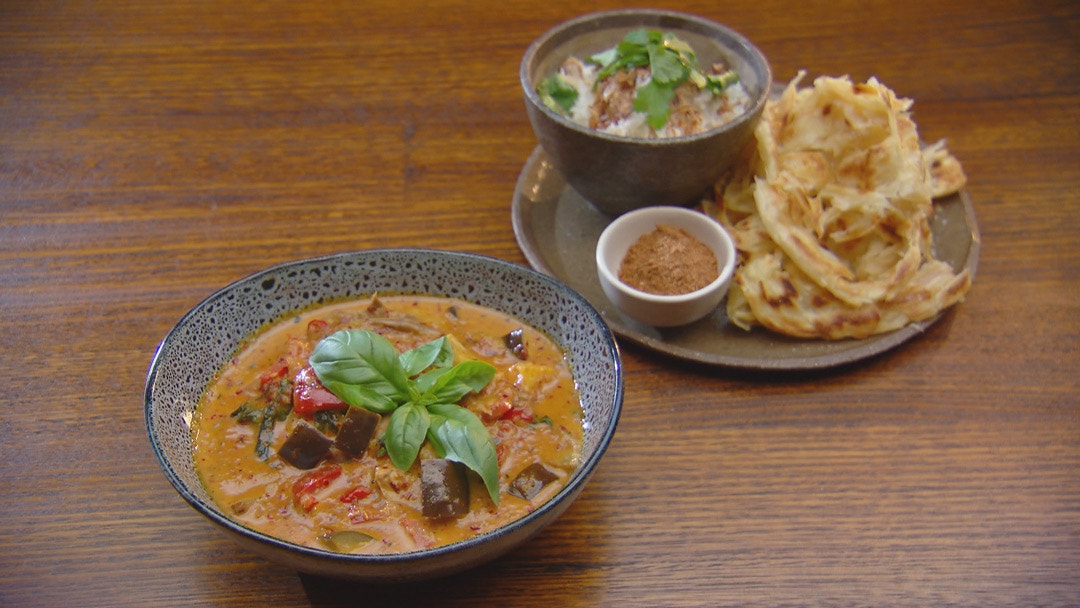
557	230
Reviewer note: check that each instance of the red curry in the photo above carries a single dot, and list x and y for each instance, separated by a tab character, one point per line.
281	453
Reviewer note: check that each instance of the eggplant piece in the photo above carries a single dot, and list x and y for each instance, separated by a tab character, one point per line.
356	430
305	447
444	488
515	341
531	480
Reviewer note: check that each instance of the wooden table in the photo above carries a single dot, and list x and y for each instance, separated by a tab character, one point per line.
152	152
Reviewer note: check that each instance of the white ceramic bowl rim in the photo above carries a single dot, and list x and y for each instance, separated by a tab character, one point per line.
573	486
725	274
630	14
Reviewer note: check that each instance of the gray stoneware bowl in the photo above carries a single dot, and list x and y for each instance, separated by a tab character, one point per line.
207	336
618	174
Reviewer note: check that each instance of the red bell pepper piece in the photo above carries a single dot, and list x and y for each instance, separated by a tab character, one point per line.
306	485
517	414
310	396
317	329
355	494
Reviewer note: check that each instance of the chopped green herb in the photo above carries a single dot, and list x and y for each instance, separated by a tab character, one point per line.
273	407
671	62
249	411
654	100
266	433
557	94
420	389
279	393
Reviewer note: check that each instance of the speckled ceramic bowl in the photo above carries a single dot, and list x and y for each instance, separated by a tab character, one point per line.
618	174
207	336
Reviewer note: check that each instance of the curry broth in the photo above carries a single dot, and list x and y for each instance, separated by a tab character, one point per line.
531	409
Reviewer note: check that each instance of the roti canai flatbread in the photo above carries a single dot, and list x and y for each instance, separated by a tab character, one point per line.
830	209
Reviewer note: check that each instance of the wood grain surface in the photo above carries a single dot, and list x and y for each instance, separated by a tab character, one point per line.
154	151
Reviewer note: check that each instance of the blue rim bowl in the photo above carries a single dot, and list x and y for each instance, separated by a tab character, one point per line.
207	336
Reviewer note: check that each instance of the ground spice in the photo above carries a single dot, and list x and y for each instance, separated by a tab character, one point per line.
668	261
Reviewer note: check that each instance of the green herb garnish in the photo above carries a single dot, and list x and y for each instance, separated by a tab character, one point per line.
557	94
420	389
671	62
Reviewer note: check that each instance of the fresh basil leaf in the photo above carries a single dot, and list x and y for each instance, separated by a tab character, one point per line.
451	392
362	396
362	359
405	433
364	369
438	352
464	378
458	435
426	380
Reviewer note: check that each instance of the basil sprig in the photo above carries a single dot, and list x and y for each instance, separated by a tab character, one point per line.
420	389
671	62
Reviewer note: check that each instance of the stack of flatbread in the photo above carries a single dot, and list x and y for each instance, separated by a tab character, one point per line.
830	210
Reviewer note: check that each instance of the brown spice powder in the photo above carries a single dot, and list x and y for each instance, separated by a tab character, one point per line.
668	261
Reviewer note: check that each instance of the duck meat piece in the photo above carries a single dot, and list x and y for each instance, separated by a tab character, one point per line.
305	447
356	430
531	480
444	488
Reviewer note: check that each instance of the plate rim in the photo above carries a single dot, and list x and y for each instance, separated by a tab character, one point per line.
870	347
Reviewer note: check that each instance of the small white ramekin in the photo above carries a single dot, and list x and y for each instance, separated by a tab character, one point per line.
663	310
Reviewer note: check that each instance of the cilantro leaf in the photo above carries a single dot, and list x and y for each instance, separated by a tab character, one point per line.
666	67
654	99
639	37
605	58
671	62
557	94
